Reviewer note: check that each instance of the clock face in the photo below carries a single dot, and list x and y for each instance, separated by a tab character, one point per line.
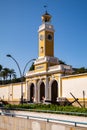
41	37
49	37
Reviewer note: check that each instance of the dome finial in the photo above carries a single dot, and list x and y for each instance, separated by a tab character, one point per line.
46	17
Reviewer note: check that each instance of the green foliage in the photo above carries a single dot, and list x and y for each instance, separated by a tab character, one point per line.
75	70
32	67
16	80
70	110
80	70
62	62
7	75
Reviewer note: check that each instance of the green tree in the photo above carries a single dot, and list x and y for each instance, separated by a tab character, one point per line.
80	70
5	73
1	67
11	74
62	62
32	67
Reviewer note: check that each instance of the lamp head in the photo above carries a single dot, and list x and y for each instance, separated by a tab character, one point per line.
8	55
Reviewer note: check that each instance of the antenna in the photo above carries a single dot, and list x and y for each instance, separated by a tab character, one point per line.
45	6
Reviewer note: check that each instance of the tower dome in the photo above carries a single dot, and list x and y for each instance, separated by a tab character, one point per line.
46	17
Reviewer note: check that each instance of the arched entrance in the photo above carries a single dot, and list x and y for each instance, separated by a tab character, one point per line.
54	91
42	91
31	92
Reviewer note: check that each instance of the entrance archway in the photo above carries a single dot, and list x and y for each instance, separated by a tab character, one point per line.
31	92
42	91
54	91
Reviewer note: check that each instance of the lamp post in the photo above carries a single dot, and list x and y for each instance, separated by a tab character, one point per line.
21	74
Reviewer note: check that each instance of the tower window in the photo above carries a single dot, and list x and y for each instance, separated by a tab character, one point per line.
41	49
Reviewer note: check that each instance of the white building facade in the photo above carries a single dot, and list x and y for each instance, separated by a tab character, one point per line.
49	79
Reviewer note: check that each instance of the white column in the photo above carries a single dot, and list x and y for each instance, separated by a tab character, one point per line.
35	91
46	88
59	87
28	91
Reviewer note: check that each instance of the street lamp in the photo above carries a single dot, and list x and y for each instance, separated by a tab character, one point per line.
8	55
21	74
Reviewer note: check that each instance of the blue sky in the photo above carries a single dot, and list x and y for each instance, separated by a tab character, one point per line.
19	22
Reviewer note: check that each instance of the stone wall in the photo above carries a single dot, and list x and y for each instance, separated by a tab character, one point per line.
16	123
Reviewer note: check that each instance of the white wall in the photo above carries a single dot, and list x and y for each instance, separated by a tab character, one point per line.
4	92
74	84
17	91
12	92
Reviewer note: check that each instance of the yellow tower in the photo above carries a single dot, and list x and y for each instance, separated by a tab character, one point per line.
46	37
46	44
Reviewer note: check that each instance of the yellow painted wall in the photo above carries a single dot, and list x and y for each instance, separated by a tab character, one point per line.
42	44
46	46
49	45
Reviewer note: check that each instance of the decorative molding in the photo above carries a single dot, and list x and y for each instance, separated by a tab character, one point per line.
46	27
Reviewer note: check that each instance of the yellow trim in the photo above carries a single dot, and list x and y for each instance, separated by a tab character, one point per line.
72	128
1	86
74	76
80	99
15	99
